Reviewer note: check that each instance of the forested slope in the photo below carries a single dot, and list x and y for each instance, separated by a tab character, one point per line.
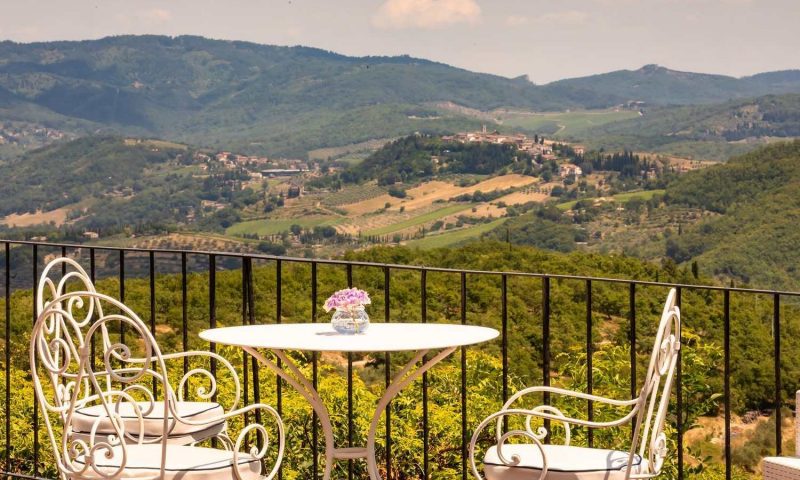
755	239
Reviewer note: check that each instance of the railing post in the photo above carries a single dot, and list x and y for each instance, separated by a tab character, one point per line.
387	369
350	425
278	320
35	402
464	436
152	274
425	427
679	389
546	346
184	321
7	294
314	377
504	339
726	318
122	292
776	327
589	355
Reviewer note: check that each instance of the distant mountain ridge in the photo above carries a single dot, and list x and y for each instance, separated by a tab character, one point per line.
288	100
661	86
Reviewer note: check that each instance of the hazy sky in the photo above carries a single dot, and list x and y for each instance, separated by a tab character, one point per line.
545	39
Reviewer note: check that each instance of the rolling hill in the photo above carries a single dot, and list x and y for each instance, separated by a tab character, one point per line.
289	100
104	183
708	131
755	238
659	85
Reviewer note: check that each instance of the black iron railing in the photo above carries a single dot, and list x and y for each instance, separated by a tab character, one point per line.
177	262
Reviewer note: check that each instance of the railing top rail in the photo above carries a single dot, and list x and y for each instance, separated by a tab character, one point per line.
398	266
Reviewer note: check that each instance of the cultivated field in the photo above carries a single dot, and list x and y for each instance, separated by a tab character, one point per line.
429	192
454	237
274	226
524	196
420	219
57	217
563	123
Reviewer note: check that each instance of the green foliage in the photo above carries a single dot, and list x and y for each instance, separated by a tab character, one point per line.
710	131
653	84
534	230
756	195
409	159
751	350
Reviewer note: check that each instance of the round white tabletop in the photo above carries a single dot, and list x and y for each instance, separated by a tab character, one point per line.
379	337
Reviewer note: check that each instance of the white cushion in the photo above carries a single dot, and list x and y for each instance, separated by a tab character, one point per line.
781	468
183	463
563	462
84	418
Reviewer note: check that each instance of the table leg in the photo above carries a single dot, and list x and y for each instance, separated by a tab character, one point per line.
297	381
400	381
306	389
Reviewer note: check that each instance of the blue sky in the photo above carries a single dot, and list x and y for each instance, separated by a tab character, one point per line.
544	39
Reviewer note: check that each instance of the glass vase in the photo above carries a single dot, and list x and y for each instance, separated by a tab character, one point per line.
350	321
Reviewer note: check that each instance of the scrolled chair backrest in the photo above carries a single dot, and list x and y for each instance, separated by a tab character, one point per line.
650	440
65	379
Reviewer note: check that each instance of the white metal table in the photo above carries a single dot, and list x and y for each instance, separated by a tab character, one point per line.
421	338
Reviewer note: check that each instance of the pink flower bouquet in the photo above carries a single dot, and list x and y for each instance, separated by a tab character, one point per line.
347	299
350	316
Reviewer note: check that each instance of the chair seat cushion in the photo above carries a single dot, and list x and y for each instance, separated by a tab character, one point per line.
84	418
183	463
563	462
781	468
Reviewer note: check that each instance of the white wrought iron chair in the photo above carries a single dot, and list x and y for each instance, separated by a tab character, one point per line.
535	459
66	380
208	416
785	468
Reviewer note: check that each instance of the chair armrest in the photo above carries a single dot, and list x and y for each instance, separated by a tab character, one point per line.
554	414
202	392
261	431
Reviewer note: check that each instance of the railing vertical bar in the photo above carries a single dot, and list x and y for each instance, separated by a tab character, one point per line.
245	305
7	296
63	265
726	312
632	335
679	389
350	425
314	377
504	339
35	403
184	320
589	355
546	346
122	293
212	307
152	273
425	426
464	437
212	317
251	318
92	276
387	370
776	333
632	340
278	312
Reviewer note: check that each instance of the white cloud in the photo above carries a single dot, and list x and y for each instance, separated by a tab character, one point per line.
426	14
565	18
156	15
516	20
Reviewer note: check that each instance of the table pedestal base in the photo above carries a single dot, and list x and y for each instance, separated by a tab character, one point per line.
289	372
